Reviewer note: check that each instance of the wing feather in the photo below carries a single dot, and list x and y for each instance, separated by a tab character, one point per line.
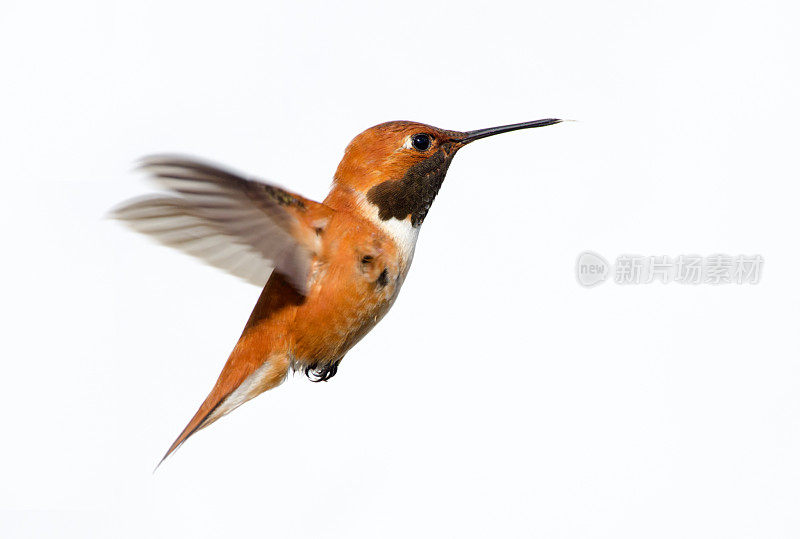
243	226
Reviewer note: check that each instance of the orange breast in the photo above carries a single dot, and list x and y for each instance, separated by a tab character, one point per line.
355	279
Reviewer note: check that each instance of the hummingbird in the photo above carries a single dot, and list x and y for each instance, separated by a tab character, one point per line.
330	271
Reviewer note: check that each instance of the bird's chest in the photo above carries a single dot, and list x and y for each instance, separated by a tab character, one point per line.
356	285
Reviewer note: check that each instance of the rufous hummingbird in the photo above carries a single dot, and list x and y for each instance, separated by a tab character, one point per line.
337	266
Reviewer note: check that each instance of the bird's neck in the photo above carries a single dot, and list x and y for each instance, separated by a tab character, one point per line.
348	199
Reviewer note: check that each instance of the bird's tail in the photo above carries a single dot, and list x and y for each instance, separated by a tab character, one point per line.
244	376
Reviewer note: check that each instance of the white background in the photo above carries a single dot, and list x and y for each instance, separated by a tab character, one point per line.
498	398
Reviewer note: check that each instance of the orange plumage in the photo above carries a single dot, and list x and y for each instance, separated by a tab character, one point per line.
338	265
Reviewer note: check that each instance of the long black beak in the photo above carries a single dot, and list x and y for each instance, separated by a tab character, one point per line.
469	136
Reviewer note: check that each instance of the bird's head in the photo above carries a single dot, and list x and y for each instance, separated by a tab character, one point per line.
398	167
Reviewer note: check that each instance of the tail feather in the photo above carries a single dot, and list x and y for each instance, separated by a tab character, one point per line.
242	378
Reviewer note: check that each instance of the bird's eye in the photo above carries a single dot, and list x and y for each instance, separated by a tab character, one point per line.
421	142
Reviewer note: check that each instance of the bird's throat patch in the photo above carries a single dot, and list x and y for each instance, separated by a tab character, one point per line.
412	194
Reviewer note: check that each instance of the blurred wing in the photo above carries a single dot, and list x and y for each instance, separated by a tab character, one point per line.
242	226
